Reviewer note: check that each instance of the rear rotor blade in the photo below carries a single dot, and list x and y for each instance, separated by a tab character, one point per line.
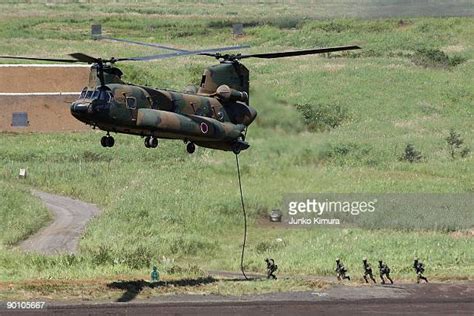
41	59
300	52
144	44
181	53
283	54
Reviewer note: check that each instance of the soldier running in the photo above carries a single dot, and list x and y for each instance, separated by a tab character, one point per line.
384	271
341	270
419	269
367	271
271	268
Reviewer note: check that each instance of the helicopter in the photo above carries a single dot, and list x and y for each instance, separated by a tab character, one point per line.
216	115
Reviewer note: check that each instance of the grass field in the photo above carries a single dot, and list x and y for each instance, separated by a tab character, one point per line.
183	212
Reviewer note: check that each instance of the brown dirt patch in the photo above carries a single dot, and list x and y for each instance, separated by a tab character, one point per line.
462	233
24	78
45	113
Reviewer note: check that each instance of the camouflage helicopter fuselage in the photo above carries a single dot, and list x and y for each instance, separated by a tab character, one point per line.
215	116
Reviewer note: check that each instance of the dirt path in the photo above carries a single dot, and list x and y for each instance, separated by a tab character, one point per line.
62	235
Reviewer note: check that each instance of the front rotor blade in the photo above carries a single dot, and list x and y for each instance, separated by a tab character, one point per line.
300	52
181	53
144	44
41	59
84	58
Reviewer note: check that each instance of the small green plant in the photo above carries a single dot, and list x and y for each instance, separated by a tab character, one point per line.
455	145
411	154
322	117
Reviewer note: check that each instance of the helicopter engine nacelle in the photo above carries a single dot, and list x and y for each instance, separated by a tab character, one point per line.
226	94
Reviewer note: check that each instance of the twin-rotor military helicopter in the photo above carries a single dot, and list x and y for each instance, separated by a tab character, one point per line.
215	115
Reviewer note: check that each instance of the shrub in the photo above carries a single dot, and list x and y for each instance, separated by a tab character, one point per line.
435	58
455	145
411	154
322	117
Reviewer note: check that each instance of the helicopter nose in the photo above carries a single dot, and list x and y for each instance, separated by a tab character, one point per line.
79	108
80	111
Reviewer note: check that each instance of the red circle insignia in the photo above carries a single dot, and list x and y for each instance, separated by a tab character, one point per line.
204	128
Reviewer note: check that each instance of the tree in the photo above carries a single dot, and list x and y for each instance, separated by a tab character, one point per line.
455	143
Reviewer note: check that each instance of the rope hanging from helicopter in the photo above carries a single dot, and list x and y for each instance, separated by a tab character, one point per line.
245	218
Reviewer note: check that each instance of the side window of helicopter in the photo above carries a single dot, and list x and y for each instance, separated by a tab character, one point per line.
220	116
199	112
95	95
83	93
131	103
104	96
110	96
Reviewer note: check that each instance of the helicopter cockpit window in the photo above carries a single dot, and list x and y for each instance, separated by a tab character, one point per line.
203	80
89	94
104	95
131	103
95	94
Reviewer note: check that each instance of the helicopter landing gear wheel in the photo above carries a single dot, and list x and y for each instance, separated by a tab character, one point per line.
103	141
146	142
191	148
110	141
151	142
107	141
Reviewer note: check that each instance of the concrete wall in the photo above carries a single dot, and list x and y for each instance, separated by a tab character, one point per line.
45	92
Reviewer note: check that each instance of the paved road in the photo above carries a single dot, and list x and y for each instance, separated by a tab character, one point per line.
402	299
62	235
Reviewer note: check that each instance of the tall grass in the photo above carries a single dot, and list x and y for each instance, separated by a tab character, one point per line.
20	214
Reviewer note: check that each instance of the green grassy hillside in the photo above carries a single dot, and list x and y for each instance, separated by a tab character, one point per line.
335	123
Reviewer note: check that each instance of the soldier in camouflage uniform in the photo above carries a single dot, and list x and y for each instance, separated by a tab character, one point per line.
419	269
271	268
384	270
341	270
155	275
367	271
